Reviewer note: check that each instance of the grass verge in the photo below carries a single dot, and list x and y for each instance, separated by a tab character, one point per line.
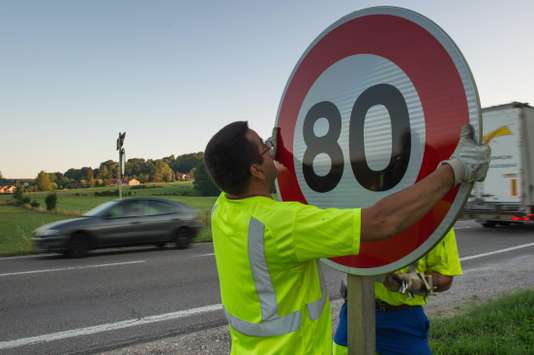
16	227
500	327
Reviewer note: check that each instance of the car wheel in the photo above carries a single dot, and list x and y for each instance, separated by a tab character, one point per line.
489	224
78	245
160	245
183	238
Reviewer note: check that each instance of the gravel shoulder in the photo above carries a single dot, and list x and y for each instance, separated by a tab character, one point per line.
476	286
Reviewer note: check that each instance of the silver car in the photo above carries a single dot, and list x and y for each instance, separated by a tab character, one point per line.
133	221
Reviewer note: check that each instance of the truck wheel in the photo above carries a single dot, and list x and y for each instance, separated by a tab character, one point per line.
78	245
489	224
183	238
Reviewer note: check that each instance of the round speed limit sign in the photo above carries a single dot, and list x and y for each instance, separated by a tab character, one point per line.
372	107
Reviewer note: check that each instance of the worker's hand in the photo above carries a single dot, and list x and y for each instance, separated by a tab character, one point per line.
391	282
273	140
415	283
470	160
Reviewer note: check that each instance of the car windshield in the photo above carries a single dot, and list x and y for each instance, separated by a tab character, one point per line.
98	210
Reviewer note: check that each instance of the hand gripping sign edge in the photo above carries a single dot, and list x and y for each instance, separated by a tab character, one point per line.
439	73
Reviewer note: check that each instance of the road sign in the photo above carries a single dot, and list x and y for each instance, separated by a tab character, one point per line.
372	106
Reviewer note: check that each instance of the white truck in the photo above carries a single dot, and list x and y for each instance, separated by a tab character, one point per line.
507	194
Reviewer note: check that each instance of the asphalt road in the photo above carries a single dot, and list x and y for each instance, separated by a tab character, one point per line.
113	298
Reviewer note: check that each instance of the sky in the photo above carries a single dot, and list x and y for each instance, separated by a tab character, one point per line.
74	74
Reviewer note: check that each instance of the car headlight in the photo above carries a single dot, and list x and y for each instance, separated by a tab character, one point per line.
48	232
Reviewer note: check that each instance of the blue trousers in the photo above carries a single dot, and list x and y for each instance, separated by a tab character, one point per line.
403	331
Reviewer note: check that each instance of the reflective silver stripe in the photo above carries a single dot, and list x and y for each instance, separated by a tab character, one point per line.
260	271
267	328
271	324
213	208
315	308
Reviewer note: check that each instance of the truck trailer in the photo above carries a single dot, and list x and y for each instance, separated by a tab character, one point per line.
507	195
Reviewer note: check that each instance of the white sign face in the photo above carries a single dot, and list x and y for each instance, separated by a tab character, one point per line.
341	84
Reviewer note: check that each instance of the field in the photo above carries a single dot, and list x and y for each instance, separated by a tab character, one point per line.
17	223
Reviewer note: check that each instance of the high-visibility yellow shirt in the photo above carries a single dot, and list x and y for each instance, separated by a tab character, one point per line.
443	259
267	260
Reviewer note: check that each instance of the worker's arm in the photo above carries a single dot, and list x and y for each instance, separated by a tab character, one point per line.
441	282
394	213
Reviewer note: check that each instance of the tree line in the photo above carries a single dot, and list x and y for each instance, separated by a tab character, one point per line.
167	169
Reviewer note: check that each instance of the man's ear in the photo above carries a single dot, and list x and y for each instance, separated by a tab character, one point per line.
256	171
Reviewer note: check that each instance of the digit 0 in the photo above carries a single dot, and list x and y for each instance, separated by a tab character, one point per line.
392	99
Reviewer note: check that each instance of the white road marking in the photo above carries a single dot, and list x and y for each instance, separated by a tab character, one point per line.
72	268
45	338
198	256
496	252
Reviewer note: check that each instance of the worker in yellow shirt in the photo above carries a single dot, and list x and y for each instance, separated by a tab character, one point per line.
401	323
267	252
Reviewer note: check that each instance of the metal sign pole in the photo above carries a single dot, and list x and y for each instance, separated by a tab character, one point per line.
120	175
361	315
120	142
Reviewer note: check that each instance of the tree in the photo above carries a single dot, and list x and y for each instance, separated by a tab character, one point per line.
202	183
74	174
60	180
72	178
163	172
108	170
139	168
186	162
44	183
88	176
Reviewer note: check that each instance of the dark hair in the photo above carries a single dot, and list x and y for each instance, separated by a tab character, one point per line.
228	157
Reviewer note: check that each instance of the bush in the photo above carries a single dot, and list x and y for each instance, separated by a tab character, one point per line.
26	200
107	193
35	204
19	195
51	201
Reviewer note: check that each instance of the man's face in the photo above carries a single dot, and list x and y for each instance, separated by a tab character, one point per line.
267	166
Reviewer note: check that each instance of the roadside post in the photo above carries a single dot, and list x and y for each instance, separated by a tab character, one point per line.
120	149
376	101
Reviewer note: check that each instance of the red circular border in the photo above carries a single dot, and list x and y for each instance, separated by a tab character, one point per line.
437	81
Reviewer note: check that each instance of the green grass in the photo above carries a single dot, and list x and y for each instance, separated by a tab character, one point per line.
501	327
16	226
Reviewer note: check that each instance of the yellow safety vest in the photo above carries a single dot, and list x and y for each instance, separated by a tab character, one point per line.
272	290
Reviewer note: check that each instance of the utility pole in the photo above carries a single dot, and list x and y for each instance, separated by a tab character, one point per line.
120	149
